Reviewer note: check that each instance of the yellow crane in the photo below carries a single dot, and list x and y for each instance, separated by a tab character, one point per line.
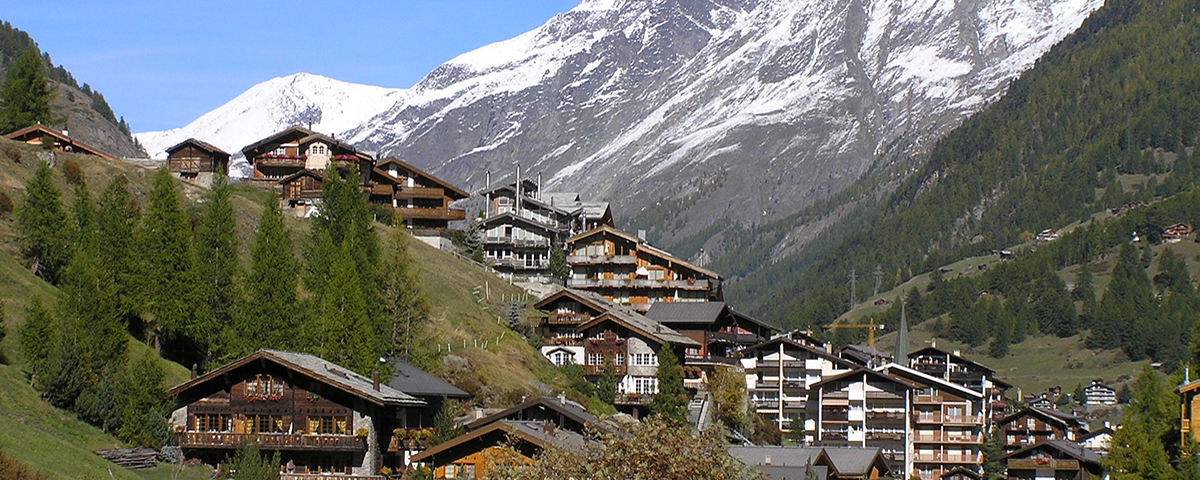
871	328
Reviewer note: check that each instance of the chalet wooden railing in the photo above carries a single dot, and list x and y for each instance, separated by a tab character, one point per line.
706	359
1042	464
430	213
928	399
419	192
939	418
939	458
568	318
269	441
632	399
601	260
938	437
280	162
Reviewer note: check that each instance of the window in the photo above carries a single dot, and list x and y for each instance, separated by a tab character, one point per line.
618	359
212	422
561	358
644	360
595	359
645	385
318	149
265	424
657	274
329	424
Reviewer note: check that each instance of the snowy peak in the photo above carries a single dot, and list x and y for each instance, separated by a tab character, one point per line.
329	106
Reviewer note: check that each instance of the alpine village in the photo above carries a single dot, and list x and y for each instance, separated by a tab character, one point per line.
1018	300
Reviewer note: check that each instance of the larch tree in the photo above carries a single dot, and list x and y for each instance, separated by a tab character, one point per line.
25	94
217	259
168	264
268	316
44	226
116	223
404	302
38	337
342	330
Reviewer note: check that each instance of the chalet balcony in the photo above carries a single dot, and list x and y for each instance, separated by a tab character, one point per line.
950	419
766	402
517	242
938	437
596	282
632	399
568	318
929	399
590	370
1042	464
419	192
281	161
602	260
940	458
518	264
272	441
775	364
708	360
430	213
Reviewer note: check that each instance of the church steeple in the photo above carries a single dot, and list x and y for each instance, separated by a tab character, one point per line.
901	353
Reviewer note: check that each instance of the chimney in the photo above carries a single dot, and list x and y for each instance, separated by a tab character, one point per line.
376	379
539	192
195	371
957	353
562	398
828	347
66	133
642	235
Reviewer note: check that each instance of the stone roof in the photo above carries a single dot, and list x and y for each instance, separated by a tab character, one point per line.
414	381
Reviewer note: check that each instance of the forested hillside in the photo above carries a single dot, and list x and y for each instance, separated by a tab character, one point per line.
1118	97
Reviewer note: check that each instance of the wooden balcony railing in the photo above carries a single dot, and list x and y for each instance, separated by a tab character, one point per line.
272	441
279	162
430	213
939	458
633	399
568	318
950	419
938	437
1042	464
601	260
419	192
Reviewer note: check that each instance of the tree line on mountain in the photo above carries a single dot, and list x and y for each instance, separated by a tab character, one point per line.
172	278
24	65
1115	98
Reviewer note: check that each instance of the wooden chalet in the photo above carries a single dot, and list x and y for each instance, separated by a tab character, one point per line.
630	272
1053	460
301	190
419	199
475	453
196	161
298	148
430	389
1033	425
1176	233
720	330
42	135
820	463
1189	410
321	417
567	309
1099	395
780	373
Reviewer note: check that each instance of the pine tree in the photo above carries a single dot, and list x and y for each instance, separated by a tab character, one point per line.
269	310
342	327
404	302
558	262
345	220
992	450
444	426
39	337
169	268
217	258
248	463
88	305
44	226
1138	447
670	401
145	404
514	316
25	94
1083	288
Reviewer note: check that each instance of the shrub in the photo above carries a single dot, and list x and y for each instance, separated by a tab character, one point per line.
12	152
6	204
11	469
72	172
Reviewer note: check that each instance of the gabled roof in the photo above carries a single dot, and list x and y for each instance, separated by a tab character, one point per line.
510	217
1064	419
686	312
1188	387
863	353
589	299
566	408
303	135
595	210
451	191
939	352
561	199
928	380
530	186
960	470
809	348
642	247
853	462
315	368
870	373
302	173
536	433
414	381
26	132
198	144
1070	449
642	325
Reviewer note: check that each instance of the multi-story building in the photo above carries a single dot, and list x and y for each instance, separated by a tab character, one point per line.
297	148
720	330
1032	425
952	367
628	271
865	408
948	422
418	199
522	224
780	374
1099	395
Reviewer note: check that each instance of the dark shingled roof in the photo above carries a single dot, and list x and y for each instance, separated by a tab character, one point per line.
497	433
685	312
1072	449
417	382
567	408
199	144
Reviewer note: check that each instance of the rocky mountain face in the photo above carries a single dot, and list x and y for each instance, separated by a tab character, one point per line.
688	113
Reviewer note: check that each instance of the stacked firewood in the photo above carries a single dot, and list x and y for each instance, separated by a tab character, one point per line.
136	458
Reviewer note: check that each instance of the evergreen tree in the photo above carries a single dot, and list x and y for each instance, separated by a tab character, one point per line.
1139	446
116	223
345	219
217	258
342	328
247	463
670	402
444	426
558	262
146	407
514	316
88	307
168	264
38	337
84	213
404	300
25	94
44	226
1083	288
269	312
992	450
606	385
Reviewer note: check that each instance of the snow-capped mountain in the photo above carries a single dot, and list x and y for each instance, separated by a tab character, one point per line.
685	112
329	106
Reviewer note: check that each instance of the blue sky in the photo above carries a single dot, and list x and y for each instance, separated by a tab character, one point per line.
161	64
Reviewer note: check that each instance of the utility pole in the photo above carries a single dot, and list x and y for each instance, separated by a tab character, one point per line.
878	279
853	287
